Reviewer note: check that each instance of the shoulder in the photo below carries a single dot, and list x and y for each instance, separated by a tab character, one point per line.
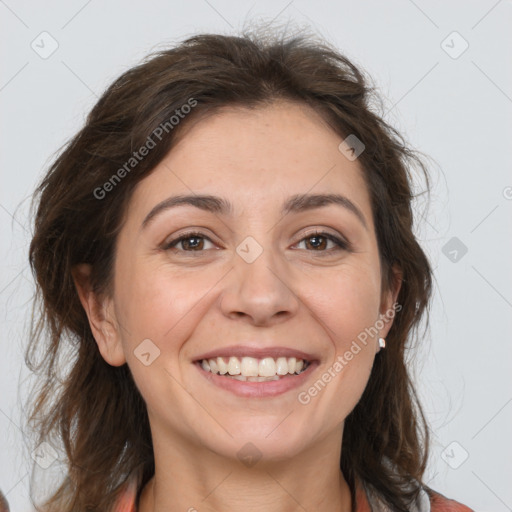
440	503
4	506
427	500
127	500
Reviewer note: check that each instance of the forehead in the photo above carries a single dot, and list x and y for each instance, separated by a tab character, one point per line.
256	157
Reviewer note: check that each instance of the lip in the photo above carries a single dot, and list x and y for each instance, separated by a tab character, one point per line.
258	352
258	389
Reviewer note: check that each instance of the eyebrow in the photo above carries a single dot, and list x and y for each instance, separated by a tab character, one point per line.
218	205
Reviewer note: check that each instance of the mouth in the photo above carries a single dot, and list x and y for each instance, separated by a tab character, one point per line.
251	369
257	373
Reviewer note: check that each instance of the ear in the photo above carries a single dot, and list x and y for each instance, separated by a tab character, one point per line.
388	310
100	312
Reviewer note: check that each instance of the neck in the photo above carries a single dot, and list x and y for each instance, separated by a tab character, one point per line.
188	479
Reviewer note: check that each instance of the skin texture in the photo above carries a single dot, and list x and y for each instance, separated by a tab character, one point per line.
295	295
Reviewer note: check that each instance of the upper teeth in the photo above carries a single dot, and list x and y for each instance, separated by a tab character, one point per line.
251	367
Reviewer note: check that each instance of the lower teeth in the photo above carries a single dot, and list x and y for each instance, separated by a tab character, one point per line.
258	378
253	379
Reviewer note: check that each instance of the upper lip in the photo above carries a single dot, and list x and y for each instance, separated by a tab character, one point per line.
256	352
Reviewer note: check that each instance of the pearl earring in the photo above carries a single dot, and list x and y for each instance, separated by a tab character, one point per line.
382	343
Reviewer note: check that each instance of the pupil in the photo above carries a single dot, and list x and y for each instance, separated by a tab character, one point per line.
193	245
317	238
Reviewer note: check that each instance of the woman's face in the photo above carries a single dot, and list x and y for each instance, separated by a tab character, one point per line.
261	279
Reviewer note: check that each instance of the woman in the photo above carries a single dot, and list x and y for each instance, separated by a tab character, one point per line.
227	245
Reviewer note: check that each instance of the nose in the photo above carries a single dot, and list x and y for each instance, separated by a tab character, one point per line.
259	292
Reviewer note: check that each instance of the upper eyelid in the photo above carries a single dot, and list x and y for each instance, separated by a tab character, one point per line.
314	232
322	231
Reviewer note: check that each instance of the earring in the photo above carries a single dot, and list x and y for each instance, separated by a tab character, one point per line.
382	343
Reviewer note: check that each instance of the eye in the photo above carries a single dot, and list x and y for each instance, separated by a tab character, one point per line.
190	242
315	242
319	240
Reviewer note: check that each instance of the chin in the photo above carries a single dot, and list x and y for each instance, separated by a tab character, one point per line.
255	439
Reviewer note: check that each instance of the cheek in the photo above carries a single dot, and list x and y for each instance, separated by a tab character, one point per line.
157	304
347	302
165	308
348	307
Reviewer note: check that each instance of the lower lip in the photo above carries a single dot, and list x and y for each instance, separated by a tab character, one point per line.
259	389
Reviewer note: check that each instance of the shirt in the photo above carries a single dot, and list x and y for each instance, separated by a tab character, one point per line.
367	501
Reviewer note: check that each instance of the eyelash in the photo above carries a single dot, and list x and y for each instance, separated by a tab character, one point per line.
342	244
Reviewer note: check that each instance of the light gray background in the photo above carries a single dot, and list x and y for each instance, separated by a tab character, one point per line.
456	110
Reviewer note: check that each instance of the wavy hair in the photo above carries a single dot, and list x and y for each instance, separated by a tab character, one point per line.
95	410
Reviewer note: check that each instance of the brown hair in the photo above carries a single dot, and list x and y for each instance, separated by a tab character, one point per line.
95	409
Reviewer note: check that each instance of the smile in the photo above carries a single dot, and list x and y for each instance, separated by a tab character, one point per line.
257	386
252	369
